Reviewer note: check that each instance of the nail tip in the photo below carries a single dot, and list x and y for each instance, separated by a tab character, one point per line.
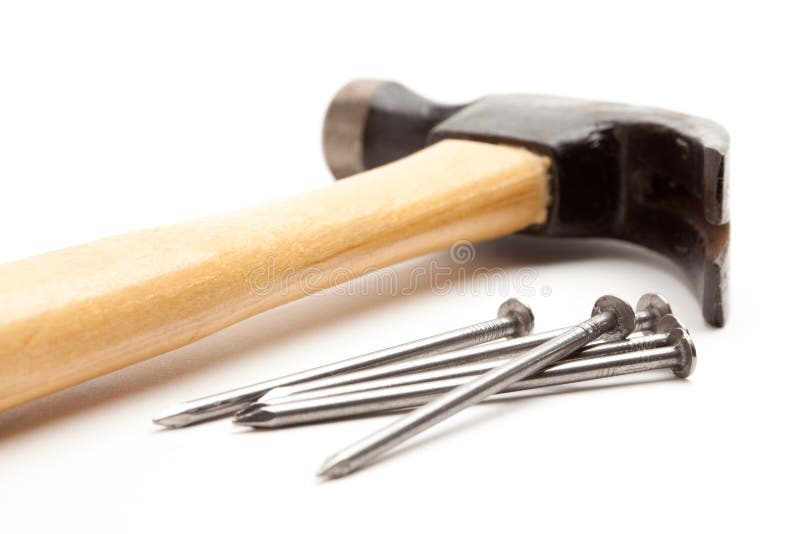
334	467
173	420
255	415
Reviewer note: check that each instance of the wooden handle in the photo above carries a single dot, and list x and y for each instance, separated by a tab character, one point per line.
77	313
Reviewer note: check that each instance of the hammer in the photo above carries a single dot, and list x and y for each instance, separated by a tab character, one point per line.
420	176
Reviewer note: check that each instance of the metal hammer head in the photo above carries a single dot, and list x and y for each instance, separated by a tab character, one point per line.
644	175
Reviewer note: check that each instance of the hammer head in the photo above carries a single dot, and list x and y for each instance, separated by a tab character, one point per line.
644	175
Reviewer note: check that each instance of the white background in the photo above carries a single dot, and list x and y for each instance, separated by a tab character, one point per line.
119	116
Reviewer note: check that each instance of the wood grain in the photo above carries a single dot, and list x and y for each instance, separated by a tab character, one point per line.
77	313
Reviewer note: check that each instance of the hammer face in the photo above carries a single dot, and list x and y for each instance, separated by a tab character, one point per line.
645	175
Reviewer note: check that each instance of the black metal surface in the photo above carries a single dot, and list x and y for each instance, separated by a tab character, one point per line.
644	175
399	123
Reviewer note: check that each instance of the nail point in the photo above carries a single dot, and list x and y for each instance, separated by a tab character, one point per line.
256	415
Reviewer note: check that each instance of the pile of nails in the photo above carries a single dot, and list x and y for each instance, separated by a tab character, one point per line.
440	375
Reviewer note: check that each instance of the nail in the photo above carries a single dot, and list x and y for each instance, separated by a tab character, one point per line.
611	319
649	310
653	341
514	318
380	396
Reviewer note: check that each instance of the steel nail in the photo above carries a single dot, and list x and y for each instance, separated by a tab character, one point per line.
677	354
649	310
636	344
514	318
611	319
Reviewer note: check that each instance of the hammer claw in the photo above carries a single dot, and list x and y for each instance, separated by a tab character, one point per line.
645	175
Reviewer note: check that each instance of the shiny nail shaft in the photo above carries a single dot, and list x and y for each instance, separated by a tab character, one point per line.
513	319
380	401
368	449
493	351
464	370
